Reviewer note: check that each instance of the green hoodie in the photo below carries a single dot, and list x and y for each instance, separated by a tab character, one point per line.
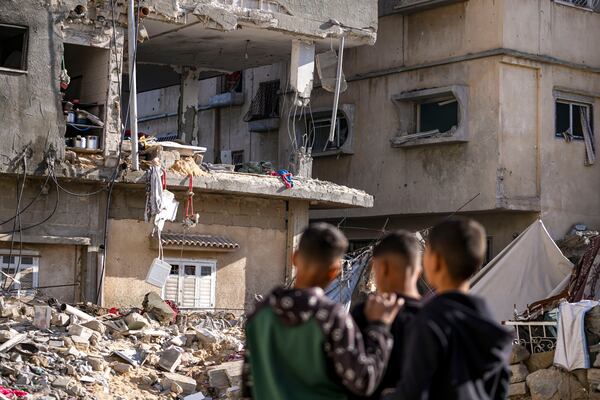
301	345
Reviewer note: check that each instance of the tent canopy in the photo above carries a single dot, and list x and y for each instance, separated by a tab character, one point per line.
531	268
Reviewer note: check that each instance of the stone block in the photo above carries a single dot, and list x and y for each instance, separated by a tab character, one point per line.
187	384
519	354
593	376
96	326
570	388
121	368
217	378
539	361
81	331
543	384
135	321
170	359
97	363
518	373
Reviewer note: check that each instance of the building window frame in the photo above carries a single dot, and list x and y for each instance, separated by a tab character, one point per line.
306	125
573	99
409	104
199	265
24	262
24	49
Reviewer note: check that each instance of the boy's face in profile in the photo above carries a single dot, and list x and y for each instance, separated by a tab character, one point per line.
311	274
379	271
431	266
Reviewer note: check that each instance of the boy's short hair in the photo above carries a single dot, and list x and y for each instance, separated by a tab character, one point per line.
401	243
322	243
461	243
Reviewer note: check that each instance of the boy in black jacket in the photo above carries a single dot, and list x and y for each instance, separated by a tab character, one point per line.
454	349
396	268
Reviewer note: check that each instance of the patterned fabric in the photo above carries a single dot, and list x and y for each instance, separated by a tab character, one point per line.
357	361
584	283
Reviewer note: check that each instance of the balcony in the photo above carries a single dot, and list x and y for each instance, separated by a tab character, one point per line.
387	7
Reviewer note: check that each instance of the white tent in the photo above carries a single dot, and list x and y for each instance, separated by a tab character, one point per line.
531	268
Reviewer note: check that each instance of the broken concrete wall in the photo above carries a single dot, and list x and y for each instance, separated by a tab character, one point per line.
158	111
258	225
30	103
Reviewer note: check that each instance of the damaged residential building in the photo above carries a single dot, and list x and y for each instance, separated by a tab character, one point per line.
484	108
73	193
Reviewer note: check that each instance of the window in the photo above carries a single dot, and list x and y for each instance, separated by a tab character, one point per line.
430	116
27	274
438	115
237	157
569	119
13	47
191	283
313	129
265	103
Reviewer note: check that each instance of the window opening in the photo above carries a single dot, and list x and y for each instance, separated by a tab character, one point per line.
84	88
318	127
13	47
440	115
569	118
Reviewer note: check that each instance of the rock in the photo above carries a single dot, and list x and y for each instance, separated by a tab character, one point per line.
60	319
96	326
217	378
121	368
6	335
179	341
206	336
149	379
517	389
158	307
518	373
170	359
187	384
135	321
543	384
570	388
195	396
62	382
519	354
97	363
176	389
539	361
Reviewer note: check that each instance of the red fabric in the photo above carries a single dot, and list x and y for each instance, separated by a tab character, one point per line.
174	307
114	310
12	392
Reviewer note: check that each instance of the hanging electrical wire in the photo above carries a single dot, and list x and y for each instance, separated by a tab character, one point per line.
17	220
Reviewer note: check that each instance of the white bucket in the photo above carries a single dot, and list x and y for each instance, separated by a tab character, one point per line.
92	142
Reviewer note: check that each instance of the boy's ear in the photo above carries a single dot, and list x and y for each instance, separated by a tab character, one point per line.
295	258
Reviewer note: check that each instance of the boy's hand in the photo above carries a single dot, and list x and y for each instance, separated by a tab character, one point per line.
383	307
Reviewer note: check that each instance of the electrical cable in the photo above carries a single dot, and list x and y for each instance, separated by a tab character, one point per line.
73	193
17	218
31	202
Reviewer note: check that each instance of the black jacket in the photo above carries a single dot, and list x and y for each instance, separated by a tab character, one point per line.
399	330
454	351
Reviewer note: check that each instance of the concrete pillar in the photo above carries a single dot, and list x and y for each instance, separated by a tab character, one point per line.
297	221
188	105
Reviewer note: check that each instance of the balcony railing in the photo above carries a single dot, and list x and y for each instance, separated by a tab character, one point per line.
536	336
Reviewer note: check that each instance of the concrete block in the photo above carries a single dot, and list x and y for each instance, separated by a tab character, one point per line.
81	331
593	376
96	326
519	354
60	319
121	368
187	384
136	321
539	361
170	359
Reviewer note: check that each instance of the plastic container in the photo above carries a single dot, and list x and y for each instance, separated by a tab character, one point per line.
92	142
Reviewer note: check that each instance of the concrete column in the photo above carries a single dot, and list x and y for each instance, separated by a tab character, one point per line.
188	105
297	221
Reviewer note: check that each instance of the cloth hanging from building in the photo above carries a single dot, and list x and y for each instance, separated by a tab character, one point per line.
154	189
586	276
588	136
342	288
531	268
571	345
265	103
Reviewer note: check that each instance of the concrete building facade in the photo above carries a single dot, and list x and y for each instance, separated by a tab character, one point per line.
72	218
472	107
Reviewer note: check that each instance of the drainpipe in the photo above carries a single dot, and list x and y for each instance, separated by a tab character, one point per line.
132	39
338	84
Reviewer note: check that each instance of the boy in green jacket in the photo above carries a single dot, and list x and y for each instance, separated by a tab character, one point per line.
301	345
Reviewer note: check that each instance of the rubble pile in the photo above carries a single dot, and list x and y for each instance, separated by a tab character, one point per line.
576	242
53	351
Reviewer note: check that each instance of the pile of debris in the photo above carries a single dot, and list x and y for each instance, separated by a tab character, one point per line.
533	377
54	351
576	242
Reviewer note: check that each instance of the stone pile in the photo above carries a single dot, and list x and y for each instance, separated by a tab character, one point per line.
50	351
533	377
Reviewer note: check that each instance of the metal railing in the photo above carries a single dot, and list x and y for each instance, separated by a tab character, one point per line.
592	5
536	336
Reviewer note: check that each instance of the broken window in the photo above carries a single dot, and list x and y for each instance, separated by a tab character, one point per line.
430	116
569	118
237	157
84	88
593	5
312	130
265	103
439	115
13	47
23	268
191	283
